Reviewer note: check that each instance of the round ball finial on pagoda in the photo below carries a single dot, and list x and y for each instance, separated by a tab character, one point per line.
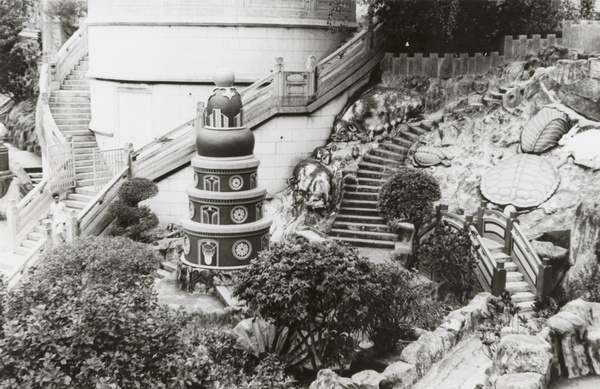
225	228
224	78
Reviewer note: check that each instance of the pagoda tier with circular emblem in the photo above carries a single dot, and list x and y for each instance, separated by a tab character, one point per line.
225	227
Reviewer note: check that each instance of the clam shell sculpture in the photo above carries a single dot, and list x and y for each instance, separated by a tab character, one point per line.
429	156
524	180
544	130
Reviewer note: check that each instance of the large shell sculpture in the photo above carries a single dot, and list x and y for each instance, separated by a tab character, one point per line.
429	156
523	180
544	130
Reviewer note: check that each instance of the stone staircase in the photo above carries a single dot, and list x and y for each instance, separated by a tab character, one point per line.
515	284
358	222
71	109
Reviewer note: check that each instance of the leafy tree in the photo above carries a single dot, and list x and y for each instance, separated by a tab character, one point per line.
68	12
131	220
409	195
448	26
448	252
314	289
18	59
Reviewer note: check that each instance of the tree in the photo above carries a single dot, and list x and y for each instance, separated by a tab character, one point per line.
313	289
18	59
409	195
448	252
68	12
131	220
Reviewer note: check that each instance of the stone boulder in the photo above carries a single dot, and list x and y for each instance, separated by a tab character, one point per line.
570	329
368	379
327	379
520	381
423	352
549	250
519	353
584	235
402	375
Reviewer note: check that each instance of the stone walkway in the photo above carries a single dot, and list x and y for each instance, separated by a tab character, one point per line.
463	368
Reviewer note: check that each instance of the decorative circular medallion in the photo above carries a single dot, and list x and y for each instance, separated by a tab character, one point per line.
239	214
191	210
242	249
186	245
196	179
236	182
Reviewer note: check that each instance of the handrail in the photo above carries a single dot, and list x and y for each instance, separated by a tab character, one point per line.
168	136
100	197
71	53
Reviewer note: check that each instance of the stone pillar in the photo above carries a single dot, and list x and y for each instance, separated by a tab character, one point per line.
48	233
544	279
72	227
12	215
311	67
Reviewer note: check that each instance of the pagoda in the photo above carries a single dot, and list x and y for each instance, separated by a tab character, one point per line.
226	227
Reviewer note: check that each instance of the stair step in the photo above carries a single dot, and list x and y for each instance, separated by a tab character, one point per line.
69	103
86	190
399	149
522	297
361	227
83	144
83	157
81	88
28	243
22	250
510	267
75	204
69	81
375	167
346	210
160	273
515	287
35	236
377	182
74	127
84	150
401	141
351	203
83	198
369	196
74	133
381	160
514	276
361	189
168	266
83	163
492	245
67	110
84	138
382	244
71	93
361	173
363	234
85	183
343	217
525	306
409	136
389	154
71	115
73	121
416	129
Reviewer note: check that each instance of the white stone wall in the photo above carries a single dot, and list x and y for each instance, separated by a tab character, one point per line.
281	143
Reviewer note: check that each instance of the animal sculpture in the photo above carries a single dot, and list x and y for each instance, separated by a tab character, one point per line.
583	147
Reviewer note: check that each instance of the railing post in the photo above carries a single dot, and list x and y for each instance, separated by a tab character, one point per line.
480	217
48	232
499	278
508	233
199	121
311	67
544	279
72	227
129	158
438	213
12	215
279	81
369	40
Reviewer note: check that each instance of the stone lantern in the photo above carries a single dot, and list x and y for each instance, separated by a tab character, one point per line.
226	227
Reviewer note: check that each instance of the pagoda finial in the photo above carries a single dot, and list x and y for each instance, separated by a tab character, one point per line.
224	78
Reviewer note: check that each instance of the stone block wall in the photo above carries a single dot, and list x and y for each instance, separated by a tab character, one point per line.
583	35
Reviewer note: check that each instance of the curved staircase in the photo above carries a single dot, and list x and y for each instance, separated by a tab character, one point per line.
358	222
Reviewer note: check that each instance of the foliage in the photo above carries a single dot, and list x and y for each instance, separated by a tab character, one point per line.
546	307
19	119
409	195
87	318
18	59
393	305
68	12
314	289
453	26
586	284
448	252
501	312
131	220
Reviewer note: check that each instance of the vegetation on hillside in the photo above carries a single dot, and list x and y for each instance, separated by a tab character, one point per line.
457	26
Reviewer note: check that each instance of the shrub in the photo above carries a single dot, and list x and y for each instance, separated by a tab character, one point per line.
448	252
131	220
393	305
409	195
87	318
314	289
